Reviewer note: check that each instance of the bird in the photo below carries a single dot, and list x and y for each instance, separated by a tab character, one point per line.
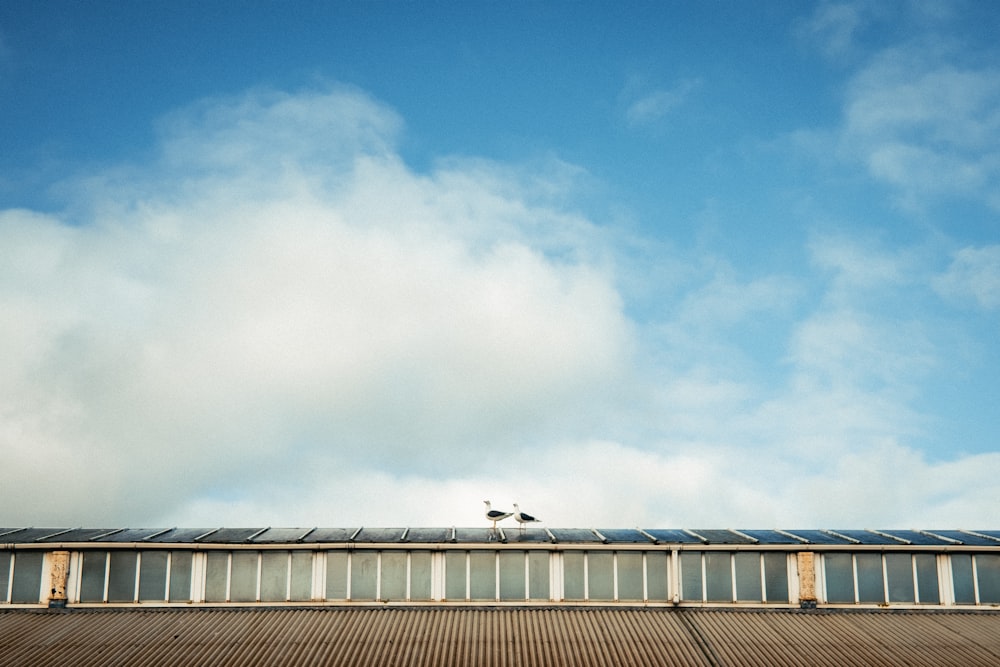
495	515
523	518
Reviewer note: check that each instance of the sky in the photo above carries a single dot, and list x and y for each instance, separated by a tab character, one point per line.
630	264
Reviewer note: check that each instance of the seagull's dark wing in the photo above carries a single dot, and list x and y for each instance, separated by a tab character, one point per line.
494	513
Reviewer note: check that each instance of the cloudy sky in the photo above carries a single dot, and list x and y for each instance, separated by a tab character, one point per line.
659	264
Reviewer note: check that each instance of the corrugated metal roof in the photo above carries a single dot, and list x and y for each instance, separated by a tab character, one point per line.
496	636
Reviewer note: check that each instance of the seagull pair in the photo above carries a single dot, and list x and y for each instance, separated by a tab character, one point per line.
519	516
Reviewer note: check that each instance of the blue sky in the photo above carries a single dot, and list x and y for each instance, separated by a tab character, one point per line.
657	264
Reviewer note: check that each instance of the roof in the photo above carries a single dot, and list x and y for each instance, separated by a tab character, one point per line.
375	535
496	636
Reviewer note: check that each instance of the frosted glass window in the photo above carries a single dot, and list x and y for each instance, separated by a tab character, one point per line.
121	577
748	588
216	573
364	568
630	575
839	577
657	575
482	575
27	584
899	572
512	575
243	581
538	575
454	564
153	576
91	576
870	581
336	575
927	578
600	575
573	583
420	575
393	575
301	584
775	576
718	576
988	573
961	576
691	575
5	563
274	576
180	576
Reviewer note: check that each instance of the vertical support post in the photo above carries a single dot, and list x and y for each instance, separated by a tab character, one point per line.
807	579
58	576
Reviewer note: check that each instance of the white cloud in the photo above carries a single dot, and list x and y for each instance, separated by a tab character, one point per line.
644	106
833	27
925	126
974	274
246	306
293	327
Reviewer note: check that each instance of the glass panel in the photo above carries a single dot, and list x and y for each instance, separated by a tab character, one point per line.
301	588
870	583
483	575
988	573
420	575
630	575
839	570
121	578
512	575
27	584
5	558
657	575
273	576
600	575
927	578
336	575
393	576
718	576
748	588
364	566
961	576
216	571
153	576
538	575
899	571
454	563
91	576
243	581
776	576
573	585
691	580
180	576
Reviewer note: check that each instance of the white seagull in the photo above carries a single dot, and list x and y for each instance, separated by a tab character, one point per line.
495	515
523	518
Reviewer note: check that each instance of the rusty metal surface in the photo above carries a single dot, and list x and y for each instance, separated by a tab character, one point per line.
496	636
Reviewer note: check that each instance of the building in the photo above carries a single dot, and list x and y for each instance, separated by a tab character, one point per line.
472	596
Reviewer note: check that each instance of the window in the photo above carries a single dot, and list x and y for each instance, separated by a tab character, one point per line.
741	576
336	575
455	574
420	575
393	576
482	575
22	577
6	560
512	564
538	575
574	570
877	578
976	578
